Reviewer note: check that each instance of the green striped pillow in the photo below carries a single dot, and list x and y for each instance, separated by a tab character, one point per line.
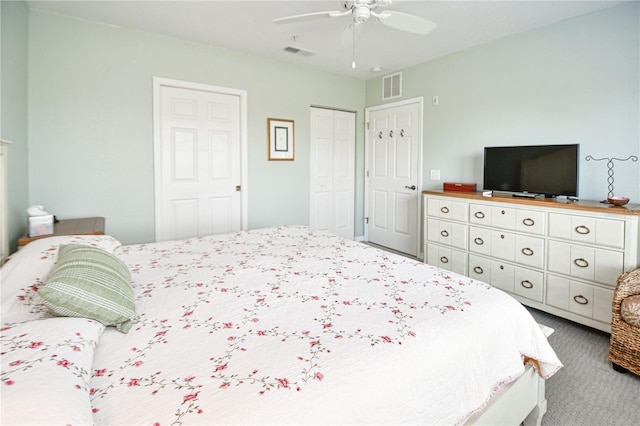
91	283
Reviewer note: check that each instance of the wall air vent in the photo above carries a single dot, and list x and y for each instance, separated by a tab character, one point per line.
299	51
392	86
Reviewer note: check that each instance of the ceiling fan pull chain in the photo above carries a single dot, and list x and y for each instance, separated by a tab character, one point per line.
353	34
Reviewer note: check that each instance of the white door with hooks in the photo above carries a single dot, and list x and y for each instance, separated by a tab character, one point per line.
393	175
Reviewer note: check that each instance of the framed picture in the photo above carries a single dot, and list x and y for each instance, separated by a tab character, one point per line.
280	139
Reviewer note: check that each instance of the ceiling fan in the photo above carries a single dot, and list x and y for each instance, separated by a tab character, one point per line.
360	11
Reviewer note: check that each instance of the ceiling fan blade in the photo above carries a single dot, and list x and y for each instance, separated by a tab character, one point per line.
310	16
406	22
347	38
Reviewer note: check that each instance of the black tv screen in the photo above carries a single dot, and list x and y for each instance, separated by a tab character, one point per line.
551	170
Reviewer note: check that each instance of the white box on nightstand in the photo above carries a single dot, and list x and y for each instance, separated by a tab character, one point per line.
40	225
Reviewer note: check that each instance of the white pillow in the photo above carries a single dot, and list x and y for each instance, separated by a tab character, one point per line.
46	368
28	268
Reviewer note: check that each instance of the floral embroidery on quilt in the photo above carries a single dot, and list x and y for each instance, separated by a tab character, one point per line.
266	274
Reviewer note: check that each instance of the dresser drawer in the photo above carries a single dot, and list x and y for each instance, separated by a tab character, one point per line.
591	230
580	298
529	284
519	248
498	217
531	221
448	233
508	277
507	218
479	268
529	251
588	263
446	258
480	240
446	209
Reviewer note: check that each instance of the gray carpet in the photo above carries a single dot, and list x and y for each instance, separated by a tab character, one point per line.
587	391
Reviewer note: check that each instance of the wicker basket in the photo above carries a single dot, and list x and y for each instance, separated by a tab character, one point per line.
624	349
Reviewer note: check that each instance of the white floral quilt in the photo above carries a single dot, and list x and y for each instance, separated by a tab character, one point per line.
288	325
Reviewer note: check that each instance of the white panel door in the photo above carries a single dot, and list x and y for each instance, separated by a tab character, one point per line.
393	177
198	170
332	171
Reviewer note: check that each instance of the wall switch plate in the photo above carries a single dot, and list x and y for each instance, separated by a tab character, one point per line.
434	174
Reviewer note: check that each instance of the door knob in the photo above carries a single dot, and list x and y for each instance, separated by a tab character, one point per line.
412	187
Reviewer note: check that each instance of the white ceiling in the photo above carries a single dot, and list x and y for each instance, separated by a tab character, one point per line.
247	26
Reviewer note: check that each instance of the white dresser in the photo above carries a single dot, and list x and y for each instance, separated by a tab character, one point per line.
561	257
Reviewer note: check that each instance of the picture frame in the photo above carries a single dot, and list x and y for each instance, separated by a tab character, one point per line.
281	139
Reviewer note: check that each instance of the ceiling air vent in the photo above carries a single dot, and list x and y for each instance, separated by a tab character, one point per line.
392	86
299	51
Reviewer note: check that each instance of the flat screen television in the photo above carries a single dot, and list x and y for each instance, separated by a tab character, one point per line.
551	170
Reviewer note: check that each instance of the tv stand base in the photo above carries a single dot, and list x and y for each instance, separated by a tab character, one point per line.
525	195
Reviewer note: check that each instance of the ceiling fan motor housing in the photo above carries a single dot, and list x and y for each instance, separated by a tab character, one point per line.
361	13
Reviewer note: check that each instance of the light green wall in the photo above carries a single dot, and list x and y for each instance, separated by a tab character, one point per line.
13	110
90	121
577	81
90	124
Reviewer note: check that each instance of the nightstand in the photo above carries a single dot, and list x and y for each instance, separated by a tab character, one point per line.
83	226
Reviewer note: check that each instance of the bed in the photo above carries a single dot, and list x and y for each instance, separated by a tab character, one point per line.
283	325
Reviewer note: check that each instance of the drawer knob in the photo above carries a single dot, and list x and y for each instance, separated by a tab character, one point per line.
580	299
443	259
478	270
583	230
581	263
528	221
502	236
502	212
444	209
501	267
444	233
526	284
479	215
527	251
479	241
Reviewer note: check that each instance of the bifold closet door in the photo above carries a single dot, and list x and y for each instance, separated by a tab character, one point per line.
332	168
